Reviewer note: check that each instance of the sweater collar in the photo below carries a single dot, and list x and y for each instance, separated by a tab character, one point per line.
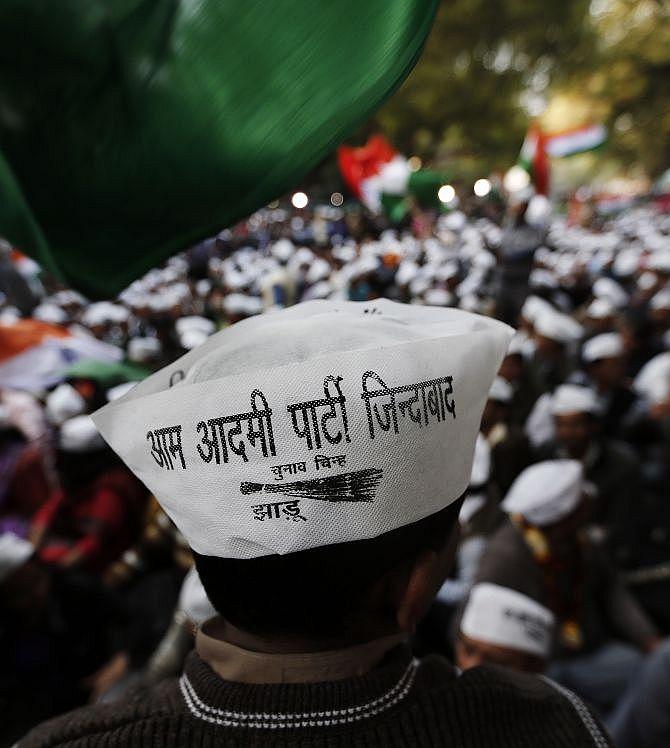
233	663
212	699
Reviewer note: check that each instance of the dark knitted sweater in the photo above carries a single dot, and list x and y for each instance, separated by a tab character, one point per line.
402	702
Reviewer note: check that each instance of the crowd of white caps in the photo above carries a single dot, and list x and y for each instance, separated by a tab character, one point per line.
628	260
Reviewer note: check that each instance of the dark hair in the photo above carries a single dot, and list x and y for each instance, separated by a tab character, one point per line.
320	591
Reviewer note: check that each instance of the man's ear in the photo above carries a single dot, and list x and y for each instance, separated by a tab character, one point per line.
423	581
418	593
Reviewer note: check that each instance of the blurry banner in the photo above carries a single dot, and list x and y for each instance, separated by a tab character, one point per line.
533	158
577	140
131	129
33	353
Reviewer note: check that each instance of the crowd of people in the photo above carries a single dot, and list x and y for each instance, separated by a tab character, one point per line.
563	563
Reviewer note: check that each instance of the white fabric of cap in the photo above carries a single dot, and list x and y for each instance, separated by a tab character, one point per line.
193	599
607	345
558	327
80	435
63	403
14	551
230	450
481	464
573	398
506	618
114	393
141	350
661	300
194	322
653	379
606	288
600	309
501	390
546	492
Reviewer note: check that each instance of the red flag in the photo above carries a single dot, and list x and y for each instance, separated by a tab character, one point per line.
359	164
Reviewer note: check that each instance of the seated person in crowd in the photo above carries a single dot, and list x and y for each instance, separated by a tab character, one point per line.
510	449
611	467
89	521
543	552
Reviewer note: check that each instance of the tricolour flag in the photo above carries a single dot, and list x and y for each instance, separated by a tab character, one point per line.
33	353
576	140
533	158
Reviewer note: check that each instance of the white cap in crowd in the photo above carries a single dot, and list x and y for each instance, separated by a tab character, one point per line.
501	390
235	434
14	552
573	398
607	345
546	492
64	402
506	618
80	435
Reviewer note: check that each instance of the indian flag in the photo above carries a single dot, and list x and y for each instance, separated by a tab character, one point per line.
33	353
576	140
533	158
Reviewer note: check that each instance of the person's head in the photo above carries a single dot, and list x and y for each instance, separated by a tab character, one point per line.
314	458
605	360
511	368
24	582
502	627
575	432
496	409
81	453
550	496
575	410
554	332
337	593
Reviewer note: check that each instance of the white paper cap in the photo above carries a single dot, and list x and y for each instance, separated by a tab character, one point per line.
606	288
573	398
661	300
51	313
80	435
236	458
14	551
114	393
607	345
193	599
506	618
600	309
501	390
546	492
141	350
481	464
202	324
63	403
558	327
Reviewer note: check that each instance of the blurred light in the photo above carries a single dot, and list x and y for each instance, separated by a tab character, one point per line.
482	187
273	205
299	200
414	163
516	179
336	199
446	193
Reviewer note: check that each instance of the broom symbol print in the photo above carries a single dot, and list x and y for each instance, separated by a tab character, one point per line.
358	486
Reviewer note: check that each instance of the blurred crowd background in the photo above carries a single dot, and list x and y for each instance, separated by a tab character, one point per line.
522	174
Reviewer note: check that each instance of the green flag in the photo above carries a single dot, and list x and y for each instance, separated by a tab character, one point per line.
130	129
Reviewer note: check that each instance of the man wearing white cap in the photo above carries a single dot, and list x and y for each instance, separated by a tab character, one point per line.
604	358
611	467
543	552
503	627
510	449
319	491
